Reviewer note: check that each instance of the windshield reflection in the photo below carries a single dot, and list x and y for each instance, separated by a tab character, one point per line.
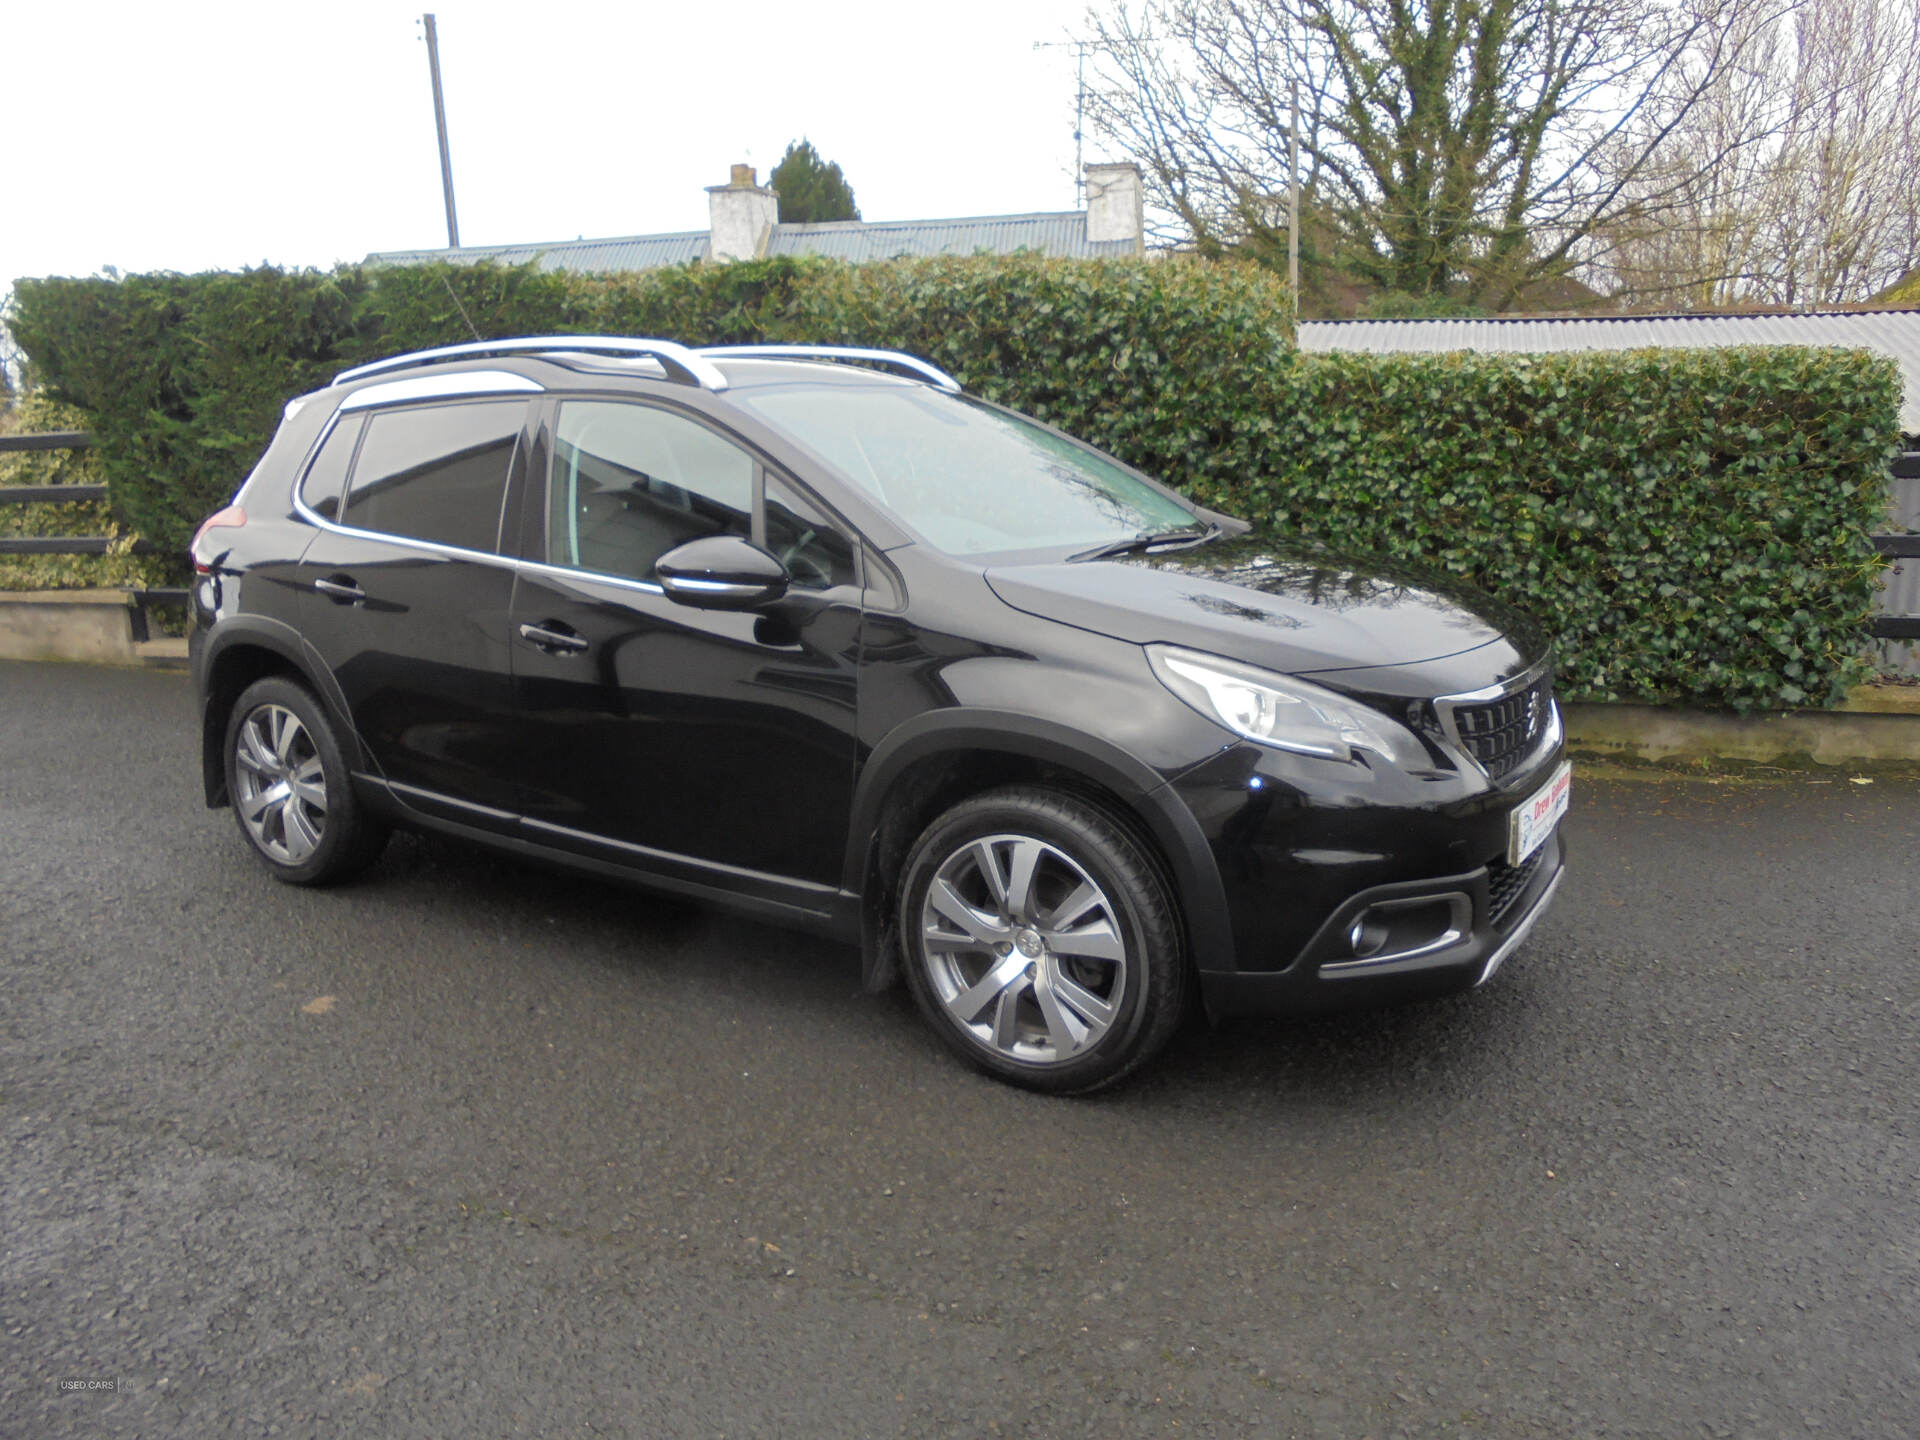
970	478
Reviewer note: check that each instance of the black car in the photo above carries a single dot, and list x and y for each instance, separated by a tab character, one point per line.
812	633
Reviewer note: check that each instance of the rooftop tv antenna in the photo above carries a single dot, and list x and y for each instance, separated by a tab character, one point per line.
1079	48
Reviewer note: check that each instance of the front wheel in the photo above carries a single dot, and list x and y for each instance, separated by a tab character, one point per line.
1042	942
291	792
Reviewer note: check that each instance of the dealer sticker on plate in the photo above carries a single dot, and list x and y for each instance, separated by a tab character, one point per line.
1533	820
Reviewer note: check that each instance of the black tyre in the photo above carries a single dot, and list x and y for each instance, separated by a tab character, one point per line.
1041	940
291	794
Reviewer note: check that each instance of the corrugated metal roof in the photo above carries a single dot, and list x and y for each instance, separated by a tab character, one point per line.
1057	233
628	252
1061	233
1890	332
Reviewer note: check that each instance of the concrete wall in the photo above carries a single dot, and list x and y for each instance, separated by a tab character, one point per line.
94	626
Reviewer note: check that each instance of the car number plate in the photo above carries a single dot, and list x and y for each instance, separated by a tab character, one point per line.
1534	818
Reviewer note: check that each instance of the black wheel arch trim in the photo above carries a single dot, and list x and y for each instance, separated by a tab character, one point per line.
260	632
1201	896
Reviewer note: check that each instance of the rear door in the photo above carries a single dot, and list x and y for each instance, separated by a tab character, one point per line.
715	747
408	596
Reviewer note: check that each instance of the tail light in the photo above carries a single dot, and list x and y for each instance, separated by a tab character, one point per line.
231	518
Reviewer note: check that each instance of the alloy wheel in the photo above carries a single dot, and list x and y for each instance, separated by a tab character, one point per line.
1023	949
281	784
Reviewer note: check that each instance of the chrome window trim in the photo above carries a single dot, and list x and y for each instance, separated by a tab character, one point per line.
457	553
442	387
354	531
540	567
689	363
567	572
306	512
913	365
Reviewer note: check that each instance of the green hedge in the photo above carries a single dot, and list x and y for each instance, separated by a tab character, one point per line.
1692	525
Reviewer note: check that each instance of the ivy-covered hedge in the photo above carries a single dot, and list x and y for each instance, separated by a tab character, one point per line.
183	377
1691	524
186	374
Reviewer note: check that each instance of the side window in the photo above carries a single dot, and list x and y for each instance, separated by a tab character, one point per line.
631	482
327	475
436	473
816	554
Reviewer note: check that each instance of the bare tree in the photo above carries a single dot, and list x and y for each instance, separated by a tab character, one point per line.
1816	200
1471	145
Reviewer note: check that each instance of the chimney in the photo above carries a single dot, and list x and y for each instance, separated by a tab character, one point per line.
1114	205
742	214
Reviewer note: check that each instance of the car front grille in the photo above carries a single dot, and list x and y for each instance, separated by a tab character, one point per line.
1500	733
1507	883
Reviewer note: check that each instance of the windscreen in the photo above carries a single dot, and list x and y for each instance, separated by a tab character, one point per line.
972	479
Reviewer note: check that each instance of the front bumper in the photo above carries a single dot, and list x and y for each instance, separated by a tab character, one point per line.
1347	886
1482	928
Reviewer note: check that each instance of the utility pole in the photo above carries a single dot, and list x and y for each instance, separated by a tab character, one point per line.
1079	112
440	122
1293	200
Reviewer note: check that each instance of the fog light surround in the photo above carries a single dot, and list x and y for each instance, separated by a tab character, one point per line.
1391	932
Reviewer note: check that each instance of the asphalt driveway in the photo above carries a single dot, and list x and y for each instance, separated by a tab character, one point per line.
472	1148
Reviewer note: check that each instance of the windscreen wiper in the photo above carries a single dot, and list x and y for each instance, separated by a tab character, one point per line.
1150	540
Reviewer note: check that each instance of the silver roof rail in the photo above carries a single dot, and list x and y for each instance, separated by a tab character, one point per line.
909	365
679	362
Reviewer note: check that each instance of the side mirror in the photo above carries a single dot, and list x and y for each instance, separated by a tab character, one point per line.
721	572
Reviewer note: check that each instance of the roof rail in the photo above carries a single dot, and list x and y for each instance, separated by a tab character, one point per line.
909	365
680	363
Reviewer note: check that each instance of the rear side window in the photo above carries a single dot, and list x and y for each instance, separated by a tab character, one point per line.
320	491
436	474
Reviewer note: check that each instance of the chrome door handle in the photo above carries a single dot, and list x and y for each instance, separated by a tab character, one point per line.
561	642
341	592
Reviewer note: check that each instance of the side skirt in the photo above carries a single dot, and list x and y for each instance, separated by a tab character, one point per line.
814	908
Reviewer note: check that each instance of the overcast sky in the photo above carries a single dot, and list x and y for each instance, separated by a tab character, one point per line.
207	136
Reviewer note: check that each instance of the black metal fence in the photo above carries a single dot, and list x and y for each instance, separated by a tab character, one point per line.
143	599
1899	619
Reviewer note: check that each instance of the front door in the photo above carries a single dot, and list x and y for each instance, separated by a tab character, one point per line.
709	746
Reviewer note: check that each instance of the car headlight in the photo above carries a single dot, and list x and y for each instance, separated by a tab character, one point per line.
1285	713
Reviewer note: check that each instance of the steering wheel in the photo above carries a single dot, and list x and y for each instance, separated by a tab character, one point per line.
804	565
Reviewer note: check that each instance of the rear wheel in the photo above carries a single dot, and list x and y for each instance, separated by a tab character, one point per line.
291	793
1042	943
